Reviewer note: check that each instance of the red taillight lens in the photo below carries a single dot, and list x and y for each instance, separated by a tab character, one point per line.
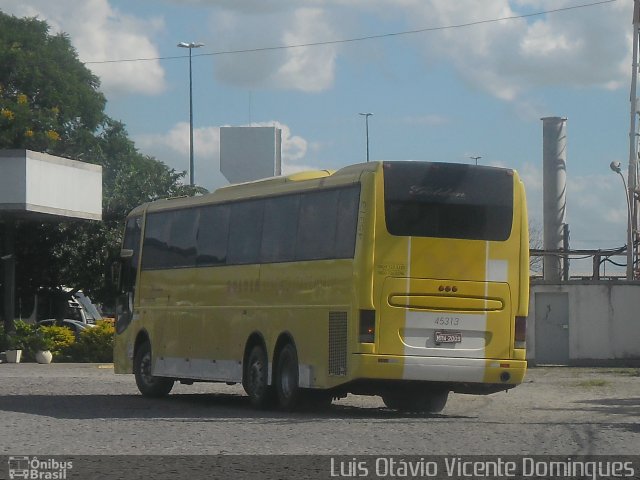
520	337
367	333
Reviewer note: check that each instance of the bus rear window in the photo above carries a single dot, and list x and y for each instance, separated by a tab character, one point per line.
448	201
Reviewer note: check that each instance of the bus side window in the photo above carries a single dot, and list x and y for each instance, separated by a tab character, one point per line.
156	241
182	238
129	269
347	222
245	232
279	232
213	230
317	225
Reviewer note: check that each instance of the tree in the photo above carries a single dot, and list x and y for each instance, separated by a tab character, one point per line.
50	102
535	243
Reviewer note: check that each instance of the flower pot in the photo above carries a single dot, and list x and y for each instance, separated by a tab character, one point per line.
44	356
13	356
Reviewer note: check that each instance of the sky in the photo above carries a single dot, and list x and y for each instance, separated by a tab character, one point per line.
460	85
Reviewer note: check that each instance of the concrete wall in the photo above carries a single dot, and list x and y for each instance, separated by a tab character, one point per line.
603	322
32	182
250	153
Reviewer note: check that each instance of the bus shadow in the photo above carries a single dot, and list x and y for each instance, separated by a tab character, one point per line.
184	407
609	406
625	406
614	407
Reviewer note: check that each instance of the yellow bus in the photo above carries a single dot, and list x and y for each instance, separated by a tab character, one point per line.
407	280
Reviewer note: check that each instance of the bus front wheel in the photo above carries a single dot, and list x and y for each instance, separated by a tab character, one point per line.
287	380
149	385
256	377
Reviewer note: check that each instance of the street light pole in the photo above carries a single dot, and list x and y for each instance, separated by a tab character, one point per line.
476	159
366	123
190	46
633	149
617	168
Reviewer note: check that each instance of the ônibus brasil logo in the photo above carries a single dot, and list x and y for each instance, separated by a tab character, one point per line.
37	469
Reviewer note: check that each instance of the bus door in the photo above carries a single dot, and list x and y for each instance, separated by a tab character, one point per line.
128	272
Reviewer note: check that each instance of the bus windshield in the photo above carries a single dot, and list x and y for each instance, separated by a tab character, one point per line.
448	201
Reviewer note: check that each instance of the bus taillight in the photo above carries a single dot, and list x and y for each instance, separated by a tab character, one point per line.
520	337
367	333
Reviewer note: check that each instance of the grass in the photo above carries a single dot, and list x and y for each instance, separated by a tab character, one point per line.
592	383
627	372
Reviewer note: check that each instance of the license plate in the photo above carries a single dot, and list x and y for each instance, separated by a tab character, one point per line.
448	337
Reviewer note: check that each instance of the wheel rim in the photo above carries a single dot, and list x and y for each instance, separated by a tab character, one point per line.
256	378
145	368
286	379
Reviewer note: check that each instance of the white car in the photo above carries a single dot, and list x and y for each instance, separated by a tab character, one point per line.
75	326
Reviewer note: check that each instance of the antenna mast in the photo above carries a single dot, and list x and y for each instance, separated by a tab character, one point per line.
632	226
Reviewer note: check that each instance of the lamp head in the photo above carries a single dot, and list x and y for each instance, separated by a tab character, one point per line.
615	166
190	45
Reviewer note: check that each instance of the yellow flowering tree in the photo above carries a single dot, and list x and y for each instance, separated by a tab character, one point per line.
25	124
49	101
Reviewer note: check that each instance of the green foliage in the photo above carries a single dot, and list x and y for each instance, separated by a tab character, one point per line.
41	342
24	339
9	341
33	338
48	98
94	344
58	339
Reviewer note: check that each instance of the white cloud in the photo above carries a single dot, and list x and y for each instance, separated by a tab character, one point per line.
531	175
172	148
100	32
583	47
580	47
294	147
308	69
248	6
596	208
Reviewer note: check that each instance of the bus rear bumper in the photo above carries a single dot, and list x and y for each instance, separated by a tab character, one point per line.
449	370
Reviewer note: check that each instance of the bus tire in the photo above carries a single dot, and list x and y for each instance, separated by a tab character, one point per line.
149	386
287	378
417	402
255	379
436	401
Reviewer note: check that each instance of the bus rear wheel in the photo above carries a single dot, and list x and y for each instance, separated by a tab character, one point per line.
149	385
417	402
286	378
255	379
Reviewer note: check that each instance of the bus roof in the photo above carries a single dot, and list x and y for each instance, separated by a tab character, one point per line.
300	181
307	180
